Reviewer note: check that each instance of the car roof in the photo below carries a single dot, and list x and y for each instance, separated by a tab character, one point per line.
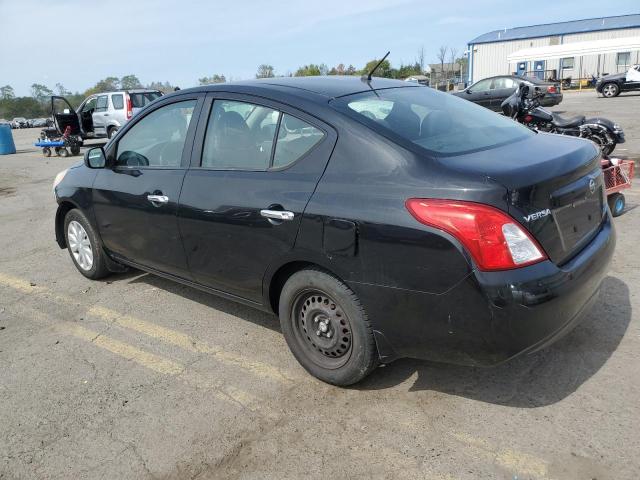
331	86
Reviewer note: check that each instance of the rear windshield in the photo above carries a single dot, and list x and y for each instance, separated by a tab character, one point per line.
140	99
437	122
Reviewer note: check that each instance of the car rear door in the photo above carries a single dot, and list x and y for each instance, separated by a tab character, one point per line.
100	114
135	199
244	194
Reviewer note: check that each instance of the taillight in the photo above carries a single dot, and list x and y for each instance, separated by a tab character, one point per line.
129	106
494	239
527	118
552	89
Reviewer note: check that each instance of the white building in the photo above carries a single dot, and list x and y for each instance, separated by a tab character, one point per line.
599	46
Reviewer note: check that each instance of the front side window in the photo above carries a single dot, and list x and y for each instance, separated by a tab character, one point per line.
118	101
157	140
101	104
89	105
439	123
482	85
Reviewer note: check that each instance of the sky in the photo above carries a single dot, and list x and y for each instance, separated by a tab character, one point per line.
78	42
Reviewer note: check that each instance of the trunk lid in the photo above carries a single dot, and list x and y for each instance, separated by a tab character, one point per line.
555	188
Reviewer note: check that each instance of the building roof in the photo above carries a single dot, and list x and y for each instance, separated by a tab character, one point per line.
561	28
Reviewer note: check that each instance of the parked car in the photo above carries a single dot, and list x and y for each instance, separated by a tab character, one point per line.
378	219
612	85
103	114
491	92
19	122
39	123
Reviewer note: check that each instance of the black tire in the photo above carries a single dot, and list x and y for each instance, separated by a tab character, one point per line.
46	151
610	90
75	150
616	203
111	132
608	149
345	352
64	152
99	264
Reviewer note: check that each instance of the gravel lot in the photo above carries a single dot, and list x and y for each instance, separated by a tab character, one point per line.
138	377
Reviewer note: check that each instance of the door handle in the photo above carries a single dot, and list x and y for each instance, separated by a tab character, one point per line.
158	199
106	114
277	214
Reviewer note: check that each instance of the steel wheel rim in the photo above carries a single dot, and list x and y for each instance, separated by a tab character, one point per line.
322	328
619	205
80	245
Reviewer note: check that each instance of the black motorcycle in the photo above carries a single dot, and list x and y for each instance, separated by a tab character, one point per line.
523	105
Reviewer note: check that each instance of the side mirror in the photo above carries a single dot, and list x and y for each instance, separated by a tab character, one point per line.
95	158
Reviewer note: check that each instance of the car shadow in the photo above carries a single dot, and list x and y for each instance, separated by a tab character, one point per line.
542	378
229	307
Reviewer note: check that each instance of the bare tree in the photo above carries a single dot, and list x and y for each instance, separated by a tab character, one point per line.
453	52
420	59
442	56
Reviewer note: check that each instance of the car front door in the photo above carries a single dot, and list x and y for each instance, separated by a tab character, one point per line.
135	198
254	167
100	115
502	88
85	115
480	92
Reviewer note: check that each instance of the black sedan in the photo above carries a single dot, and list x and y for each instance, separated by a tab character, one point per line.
491	92
612	85
378	219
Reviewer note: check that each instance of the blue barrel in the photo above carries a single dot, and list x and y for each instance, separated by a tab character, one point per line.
6	140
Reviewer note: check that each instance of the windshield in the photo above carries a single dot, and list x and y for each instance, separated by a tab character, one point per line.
438	122
140	99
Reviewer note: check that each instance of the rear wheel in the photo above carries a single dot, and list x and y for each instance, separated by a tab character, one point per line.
617	203
46	151
84	247
327	328
111	132
610	90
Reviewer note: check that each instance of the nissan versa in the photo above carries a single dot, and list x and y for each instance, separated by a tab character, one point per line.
378	219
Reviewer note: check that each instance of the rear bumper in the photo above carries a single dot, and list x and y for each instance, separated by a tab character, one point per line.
551	99
490	317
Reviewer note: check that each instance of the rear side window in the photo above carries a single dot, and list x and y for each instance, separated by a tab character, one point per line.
437	122
241	135
295	138
140	99
118	101
101	104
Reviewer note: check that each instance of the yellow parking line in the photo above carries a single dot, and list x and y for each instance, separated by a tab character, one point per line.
124	350
186	342
518	463
173	337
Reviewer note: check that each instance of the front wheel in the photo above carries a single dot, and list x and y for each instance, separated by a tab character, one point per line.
610	90
326	328
84	247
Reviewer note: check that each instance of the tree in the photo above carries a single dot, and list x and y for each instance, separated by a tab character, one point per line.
130	81
420	59
384	70
40	92
265	71
7	93
213	79
108	84
60	90
442	56
165	87
351	70
310	70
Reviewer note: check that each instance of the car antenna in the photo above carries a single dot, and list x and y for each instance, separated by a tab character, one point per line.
367	77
